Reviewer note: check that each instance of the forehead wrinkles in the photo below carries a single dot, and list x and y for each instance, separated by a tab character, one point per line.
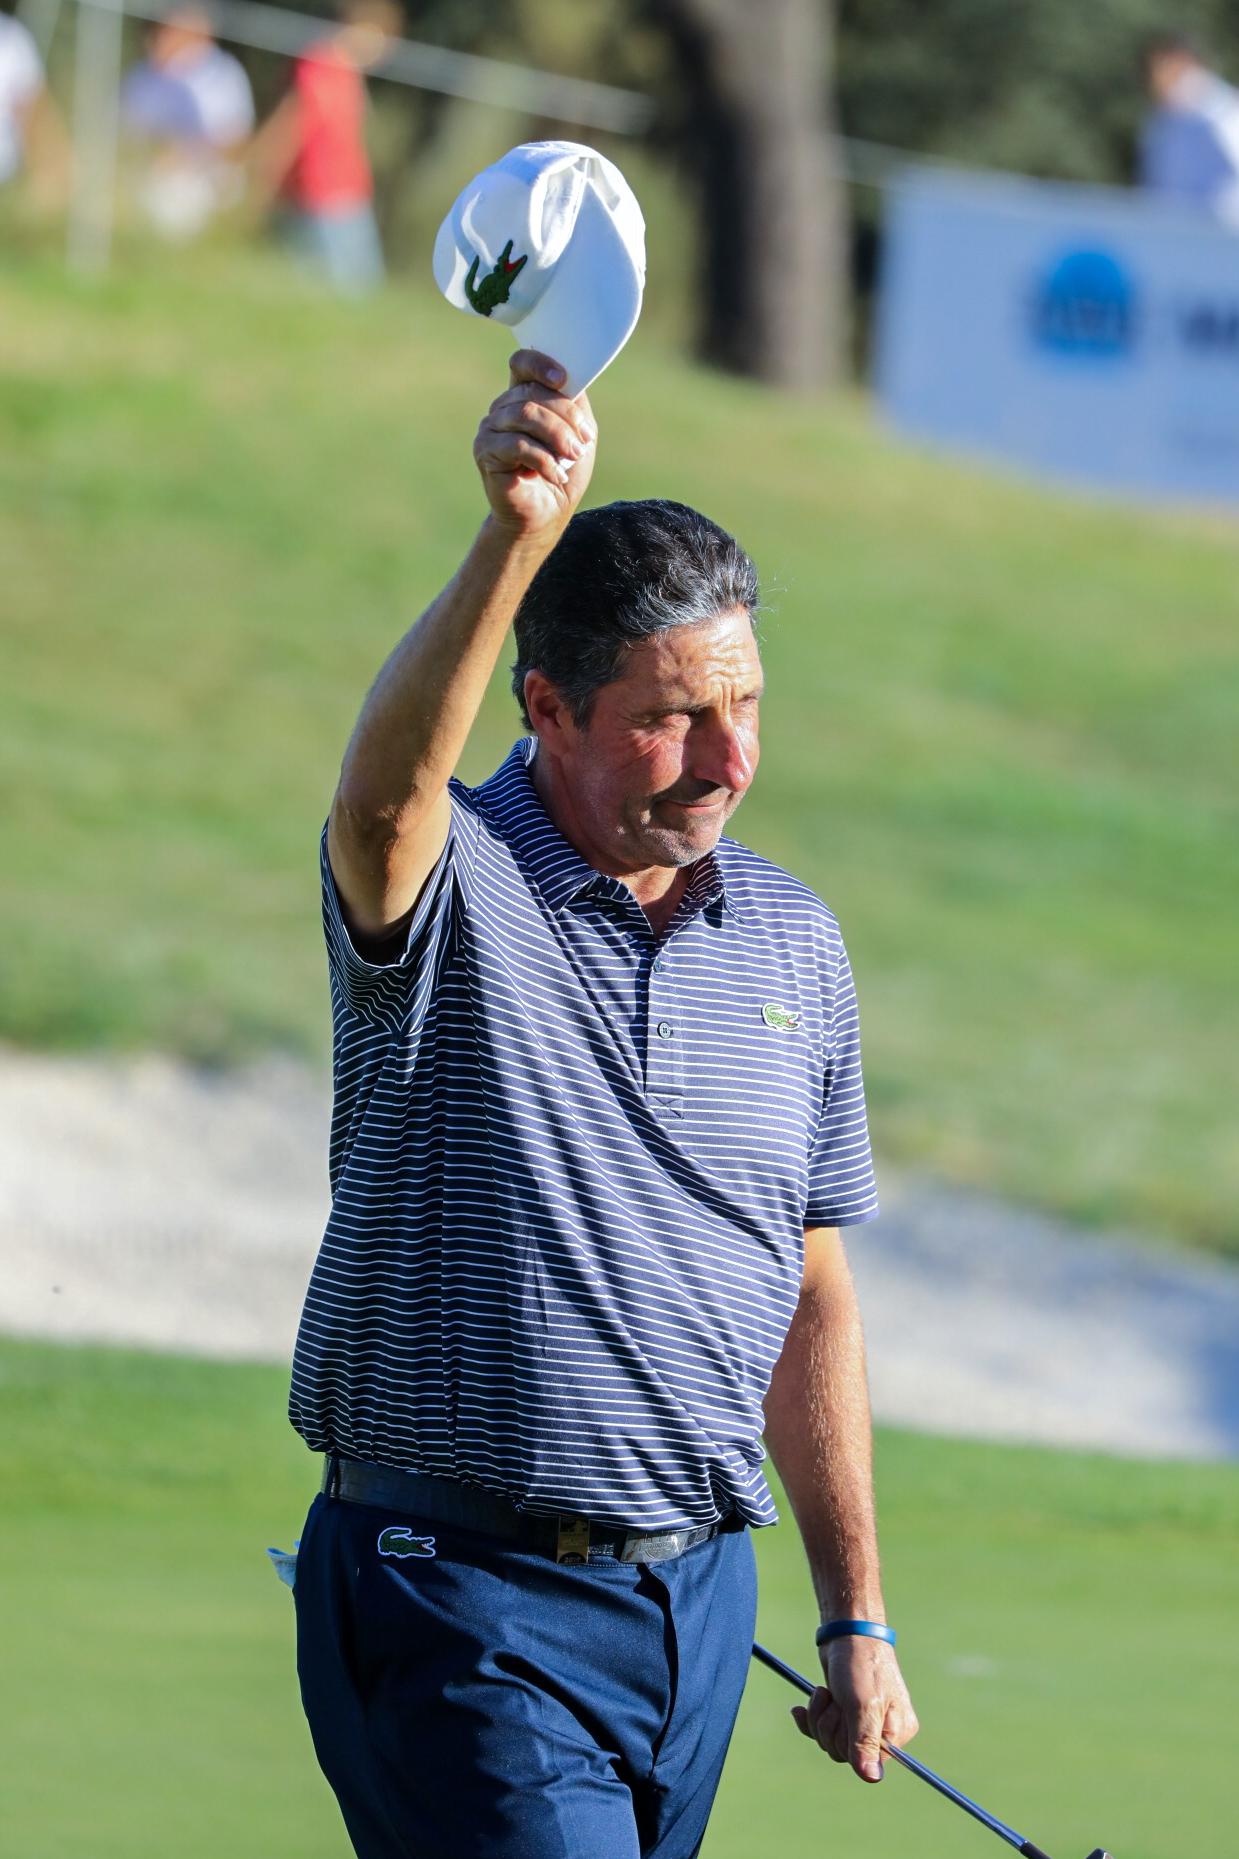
694	660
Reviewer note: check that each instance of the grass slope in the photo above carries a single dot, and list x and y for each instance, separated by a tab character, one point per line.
1067	1626
999	738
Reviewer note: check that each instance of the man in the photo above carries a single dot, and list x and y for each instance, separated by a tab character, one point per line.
190	102
310	155
188	90
598	1118
31	132
1189	151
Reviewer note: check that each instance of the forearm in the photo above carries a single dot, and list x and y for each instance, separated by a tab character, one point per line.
819	1435
272	151
417	717
391	815
389	820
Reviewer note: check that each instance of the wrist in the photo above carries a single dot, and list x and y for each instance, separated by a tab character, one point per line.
834	1632
835	1602
519	547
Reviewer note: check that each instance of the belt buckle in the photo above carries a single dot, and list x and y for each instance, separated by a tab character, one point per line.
572	1539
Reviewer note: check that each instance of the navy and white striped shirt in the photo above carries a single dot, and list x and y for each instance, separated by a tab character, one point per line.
571	1168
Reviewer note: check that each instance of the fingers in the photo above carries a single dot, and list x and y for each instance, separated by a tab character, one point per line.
576	414
535	449
545	423
901	1724
546	379
865	1704
865	1740
824	1722
501	454
531	414
832	1730
532	365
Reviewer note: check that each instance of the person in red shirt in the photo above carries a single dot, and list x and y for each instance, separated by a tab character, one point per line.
310	156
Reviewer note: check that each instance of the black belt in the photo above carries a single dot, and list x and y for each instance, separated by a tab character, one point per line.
557	1534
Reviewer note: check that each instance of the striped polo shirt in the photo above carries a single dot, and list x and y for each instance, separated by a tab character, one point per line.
571	1168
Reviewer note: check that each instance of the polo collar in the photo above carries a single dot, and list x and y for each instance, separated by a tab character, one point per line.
554	864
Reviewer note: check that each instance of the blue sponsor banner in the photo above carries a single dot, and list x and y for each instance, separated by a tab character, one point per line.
1083	332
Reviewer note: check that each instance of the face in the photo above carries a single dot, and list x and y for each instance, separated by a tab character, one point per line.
1164	71
669	749
364	44
183	32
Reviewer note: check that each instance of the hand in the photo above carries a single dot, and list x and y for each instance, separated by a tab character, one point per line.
535	449
863	1703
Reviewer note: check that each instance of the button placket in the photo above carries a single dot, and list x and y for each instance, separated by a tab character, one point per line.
664	1057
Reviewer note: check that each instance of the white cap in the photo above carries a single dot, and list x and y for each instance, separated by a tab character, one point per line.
549	241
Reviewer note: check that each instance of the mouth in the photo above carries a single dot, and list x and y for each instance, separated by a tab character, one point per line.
703	804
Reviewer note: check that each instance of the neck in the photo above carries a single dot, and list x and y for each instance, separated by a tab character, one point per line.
657	888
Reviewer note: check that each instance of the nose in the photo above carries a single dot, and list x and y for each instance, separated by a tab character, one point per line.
726	755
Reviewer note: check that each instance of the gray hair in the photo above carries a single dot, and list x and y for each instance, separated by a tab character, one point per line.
620	574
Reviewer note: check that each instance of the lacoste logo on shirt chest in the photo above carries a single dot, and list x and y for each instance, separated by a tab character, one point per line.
782	1019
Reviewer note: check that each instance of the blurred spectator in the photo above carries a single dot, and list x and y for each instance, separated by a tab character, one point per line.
310	156
30	127
1189	151
192	103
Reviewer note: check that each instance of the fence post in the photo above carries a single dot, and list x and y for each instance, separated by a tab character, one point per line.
96	126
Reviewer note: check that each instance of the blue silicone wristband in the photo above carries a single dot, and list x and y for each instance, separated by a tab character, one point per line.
860	1629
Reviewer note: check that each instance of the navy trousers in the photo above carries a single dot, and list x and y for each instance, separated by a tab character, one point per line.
471	1701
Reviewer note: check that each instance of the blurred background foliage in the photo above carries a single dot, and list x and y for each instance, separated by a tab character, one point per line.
1000	734
746	98
1052	90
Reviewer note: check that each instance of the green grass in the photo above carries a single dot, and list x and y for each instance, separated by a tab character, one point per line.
1068	1628
1000	736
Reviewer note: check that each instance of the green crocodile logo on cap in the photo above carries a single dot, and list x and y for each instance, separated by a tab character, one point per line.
496	286
779	1017
404	1542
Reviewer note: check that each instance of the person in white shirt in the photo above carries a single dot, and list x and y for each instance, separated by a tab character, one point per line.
1189	150
191	102
21	89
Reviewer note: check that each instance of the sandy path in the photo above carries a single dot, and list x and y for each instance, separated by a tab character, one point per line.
146	1202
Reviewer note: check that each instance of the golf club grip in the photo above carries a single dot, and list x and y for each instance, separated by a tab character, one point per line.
1033	1852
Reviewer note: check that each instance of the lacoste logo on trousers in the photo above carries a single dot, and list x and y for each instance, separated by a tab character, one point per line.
403	1542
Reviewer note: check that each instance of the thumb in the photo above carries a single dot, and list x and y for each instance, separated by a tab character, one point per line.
866	1750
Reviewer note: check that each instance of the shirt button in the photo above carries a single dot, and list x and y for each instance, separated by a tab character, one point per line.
665	1029
659	965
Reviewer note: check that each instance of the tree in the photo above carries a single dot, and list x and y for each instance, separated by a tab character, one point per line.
755	128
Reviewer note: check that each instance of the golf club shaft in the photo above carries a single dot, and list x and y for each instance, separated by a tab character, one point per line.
995	1825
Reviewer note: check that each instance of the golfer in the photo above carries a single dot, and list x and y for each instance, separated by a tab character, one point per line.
598	1120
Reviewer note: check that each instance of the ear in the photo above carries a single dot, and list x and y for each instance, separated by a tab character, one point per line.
549	715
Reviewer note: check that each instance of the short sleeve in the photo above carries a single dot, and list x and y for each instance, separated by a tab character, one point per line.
389	992
842	1189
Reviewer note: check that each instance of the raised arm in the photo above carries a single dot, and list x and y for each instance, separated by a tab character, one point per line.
389	820
818	1432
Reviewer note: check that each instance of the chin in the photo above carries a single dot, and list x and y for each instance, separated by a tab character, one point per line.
669	848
